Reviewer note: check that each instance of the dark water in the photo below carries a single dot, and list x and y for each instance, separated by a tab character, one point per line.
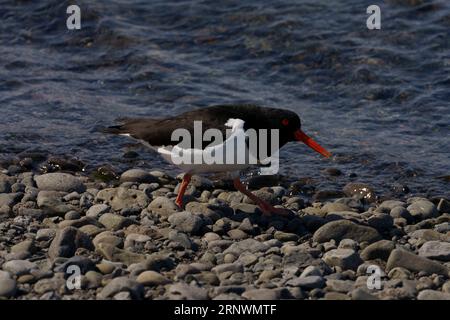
379	100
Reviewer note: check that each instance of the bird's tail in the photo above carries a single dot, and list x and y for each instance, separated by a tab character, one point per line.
113	129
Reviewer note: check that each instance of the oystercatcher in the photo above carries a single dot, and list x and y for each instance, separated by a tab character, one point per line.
232	121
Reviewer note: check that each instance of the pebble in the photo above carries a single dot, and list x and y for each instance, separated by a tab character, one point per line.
58	181
262	294
152	278
8	286
114	221
123	198
415	263
121	284
163	206
309	282
437	250
423	209
362	294
343	258
183	291
433	295
139	176
186	222
67	241
97	209
360	191
378	250
443	206
45	234
247	245
343	229
311	271
19	267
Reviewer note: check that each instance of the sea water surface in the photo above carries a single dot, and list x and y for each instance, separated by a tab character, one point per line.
377	99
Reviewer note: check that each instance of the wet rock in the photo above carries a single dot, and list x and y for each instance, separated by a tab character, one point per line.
335	207
58	181
401	212
378	250
343	229
443	206
412	262
334	172
438	250
423	209
381	222
186	222
343	258
5	183
360	191
67	241
139	176
122	284
390	204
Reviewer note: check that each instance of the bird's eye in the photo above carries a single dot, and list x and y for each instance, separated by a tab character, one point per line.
285	122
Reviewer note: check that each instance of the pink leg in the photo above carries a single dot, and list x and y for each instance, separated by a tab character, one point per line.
266	207
182	190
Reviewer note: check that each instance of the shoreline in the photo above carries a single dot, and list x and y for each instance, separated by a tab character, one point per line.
130	241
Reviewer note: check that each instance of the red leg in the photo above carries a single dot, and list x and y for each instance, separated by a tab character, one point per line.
182	190
265	207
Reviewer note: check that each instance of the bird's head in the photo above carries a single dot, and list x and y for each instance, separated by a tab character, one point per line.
289	124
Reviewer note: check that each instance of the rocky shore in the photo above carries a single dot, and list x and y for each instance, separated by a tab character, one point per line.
128	240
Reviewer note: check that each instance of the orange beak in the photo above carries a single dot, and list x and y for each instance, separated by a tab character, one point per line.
301	136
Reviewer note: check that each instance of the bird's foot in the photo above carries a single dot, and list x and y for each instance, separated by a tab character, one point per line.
179	203
267	209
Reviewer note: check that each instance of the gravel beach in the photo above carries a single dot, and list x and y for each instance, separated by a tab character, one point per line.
127	239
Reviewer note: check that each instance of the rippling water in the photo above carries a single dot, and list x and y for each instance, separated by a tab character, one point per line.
379	100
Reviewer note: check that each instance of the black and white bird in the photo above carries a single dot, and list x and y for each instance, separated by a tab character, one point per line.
232	121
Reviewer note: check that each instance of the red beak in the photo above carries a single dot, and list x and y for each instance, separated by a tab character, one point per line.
301	136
